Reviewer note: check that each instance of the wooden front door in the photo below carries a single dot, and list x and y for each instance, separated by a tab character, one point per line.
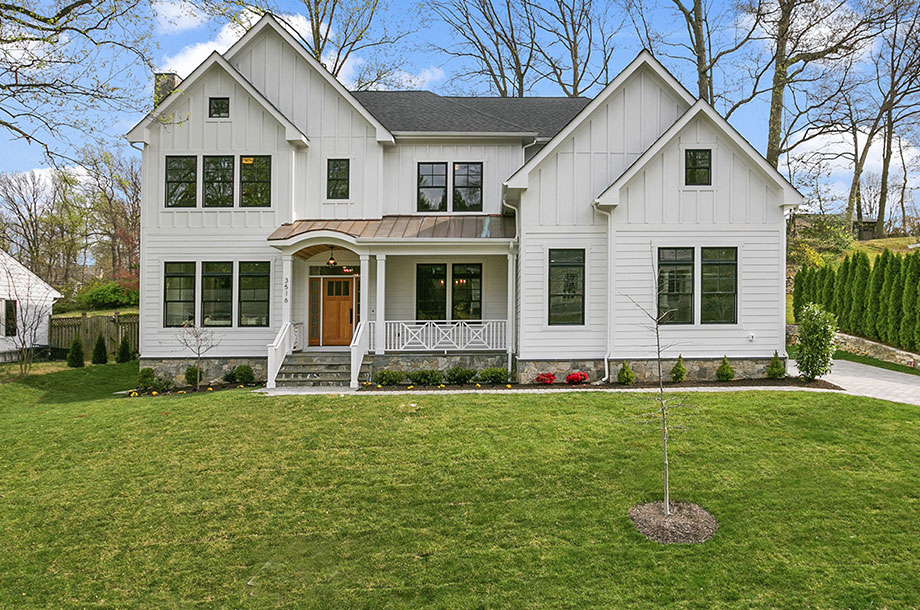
338	310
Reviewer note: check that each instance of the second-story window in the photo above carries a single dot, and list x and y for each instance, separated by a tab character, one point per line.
219	107
432	187
337	186
467	187
181	182
256	181
218	182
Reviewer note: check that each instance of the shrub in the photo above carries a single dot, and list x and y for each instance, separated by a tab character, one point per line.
425	377
626	376
100	354
816	342
776	369
124	351
106	295
911	276
230	376
859	293
388	377
895	292
545	378
678	372
145	379
458	375
161	384
243	374
494	374
725	372
193	376
576	378
75	354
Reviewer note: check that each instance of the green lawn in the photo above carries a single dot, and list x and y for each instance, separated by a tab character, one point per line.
874	247
435	501
97	312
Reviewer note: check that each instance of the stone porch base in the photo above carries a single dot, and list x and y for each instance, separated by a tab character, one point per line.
213	369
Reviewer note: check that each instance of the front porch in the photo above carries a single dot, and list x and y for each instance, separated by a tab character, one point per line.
445	297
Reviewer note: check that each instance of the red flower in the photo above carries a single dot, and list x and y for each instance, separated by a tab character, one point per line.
576	378
546	378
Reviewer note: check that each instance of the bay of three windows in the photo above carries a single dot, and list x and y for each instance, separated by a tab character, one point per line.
215	300
218	180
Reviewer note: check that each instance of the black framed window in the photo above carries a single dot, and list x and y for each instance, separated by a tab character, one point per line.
431	291
432	187
698	167
217	294
178	294
181	182
466	291
219	107
256	181
217	175
337	174
566	287
675	285
10	325
467	187
719	289
254	292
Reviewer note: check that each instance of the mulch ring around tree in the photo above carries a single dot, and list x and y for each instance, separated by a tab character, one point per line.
688	523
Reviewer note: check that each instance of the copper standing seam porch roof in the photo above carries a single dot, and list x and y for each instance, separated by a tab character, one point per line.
486	226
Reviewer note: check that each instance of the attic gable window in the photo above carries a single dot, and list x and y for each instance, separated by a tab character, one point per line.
218	107
698	167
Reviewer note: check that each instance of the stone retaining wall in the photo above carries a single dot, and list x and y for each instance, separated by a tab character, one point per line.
863	347
213	369
699	369
405	362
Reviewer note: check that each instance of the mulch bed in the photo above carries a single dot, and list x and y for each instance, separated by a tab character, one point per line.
687	524
787	382
214	387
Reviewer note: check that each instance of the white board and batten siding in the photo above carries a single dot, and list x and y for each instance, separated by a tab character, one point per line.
557	211
34	300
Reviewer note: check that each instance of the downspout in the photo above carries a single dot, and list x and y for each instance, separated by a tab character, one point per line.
510	307
609	296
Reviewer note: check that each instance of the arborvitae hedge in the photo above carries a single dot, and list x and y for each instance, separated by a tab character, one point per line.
75	354
859	284
798	291
873	309
909	302
827	290
100	354
895	302
891	276
842	275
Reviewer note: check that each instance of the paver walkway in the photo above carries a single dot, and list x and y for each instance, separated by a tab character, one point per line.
871	381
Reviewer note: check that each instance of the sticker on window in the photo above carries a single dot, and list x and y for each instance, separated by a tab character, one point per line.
246	160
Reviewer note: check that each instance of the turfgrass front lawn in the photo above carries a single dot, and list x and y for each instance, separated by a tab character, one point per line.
236	500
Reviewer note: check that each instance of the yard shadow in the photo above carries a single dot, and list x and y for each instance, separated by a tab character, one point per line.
91	382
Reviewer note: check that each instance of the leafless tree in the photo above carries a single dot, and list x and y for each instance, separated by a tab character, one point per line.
198	340
25	313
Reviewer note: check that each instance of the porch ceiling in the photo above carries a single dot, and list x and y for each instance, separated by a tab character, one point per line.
442	226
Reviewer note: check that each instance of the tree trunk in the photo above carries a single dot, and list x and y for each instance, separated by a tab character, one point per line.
780	74
699	49
886	165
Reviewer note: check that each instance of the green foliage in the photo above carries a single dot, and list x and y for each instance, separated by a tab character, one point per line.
909	302
874	319
816	342
776	369
75	354
859	291
459	375
840	281
387	377
626	376
494	374
106	295
124	351
100	354
824	235
895	294
425	377
798	291
193	376
678	371
243	374
230	376
146	378
725	372
827	289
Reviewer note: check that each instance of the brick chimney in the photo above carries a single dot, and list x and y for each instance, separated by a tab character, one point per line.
163	84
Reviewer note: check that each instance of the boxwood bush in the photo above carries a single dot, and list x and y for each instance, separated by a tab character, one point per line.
387	377
425	377
459	375
494	375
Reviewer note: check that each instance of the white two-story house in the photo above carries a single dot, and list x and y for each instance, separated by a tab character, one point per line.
322	232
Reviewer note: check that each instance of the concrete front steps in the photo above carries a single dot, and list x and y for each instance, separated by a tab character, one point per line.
309	369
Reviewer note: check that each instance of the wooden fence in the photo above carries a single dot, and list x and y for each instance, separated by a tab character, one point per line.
89	327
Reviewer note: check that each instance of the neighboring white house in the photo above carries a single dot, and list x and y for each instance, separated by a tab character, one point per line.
25	308
317	229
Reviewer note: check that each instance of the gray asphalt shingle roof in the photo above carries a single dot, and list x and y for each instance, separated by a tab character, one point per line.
424	111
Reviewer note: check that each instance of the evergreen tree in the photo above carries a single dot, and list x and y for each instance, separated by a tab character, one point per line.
911	275
827	290
100	354
798	289
124	350
873	309
842	276
75	354
882	324
894	300
859	291
846	302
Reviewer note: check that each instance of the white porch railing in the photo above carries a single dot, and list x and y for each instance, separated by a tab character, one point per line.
277	350
456	335
360	344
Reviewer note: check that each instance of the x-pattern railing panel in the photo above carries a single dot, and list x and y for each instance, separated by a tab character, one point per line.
455	335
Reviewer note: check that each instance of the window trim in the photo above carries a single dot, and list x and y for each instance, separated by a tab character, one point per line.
694	290
713	147
166	182
211	117
326	197
271	180
239	297
195	288
546	288
737	291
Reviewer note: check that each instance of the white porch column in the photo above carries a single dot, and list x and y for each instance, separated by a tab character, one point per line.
512	291
364	306
380	326
287	272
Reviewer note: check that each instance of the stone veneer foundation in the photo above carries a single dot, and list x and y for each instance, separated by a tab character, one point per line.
407	361
213	369
698	369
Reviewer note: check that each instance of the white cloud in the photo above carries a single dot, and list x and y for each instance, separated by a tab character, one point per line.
424	79
174	16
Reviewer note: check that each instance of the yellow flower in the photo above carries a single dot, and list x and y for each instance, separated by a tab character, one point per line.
210	389
133	394
242	386
442	386
478	386
508	386
410	387
154	393
379	386
181	392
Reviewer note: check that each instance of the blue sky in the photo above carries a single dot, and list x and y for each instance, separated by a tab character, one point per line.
186	38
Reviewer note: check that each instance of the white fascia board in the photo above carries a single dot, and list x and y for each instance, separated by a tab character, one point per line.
269	21
519	179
